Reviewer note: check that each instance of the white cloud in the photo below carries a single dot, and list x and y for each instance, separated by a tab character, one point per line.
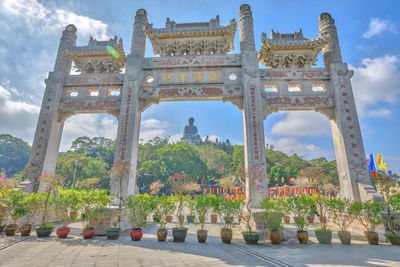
151	128
89	125
47	19
17	118
300	123
376	82
212	137
378	26
293	145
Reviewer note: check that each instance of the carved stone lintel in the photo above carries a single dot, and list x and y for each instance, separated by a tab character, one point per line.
236	101
329	112
146	103
114	112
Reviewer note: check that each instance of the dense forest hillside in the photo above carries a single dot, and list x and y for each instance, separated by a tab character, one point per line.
158	159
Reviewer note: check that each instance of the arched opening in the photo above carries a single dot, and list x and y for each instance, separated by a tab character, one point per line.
300	151
87	150
204	153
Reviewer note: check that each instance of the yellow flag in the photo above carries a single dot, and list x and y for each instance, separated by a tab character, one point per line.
283	180
379	160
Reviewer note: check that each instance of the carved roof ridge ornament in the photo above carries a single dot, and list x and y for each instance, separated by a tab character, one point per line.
198	38
291	50
98	56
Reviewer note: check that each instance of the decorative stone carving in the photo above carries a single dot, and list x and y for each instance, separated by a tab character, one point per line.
98	56
202	38
290	50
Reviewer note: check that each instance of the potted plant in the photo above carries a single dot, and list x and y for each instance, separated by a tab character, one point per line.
119	170
101	215
190	204
216	202
394	203
342	215
15	207
274	216
166	205
250	237
323	234
201	207
284	203
75	197
50	183
138	208
153	203
32	206
88	230
368	213
180	185
5	186
228	210
389	189
301	207
62	205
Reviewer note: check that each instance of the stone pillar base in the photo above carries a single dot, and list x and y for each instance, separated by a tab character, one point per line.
258	222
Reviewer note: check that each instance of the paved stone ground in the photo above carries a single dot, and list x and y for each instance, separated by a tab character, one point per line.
75	251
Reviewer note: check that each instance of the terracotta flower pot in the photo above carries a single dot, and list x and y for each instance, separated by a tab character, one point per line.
324	236
202	236
62	232
214	218
179	235
345	237
26	229
302	236
88	233
162	235
275	236
169	218
310	219
226	236
286	219
251	238
372	237
136	234
11	229
322	219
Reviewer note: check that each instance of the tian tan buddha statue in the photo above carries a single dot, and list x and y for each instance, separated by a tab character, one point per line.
190	134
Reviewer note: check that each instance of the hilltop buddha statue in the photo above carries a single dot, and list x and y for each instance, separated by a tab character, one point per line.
190	133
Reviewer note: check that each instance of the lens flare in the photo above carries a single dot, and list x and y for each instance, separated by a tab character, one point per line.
112	51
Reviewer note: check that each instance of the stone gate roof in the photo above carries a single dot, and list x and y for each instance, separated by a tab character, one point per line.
290	50
192	38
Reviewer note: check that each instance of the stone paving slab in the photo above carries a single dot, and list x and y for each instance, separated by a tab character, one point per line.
75	251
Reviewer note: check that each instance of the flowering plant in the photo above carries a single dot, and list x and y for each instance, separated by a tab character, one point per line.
155	187
50	182
181	184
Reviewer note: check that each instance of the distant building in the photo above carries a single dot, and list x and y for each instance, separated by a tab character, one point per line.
190	134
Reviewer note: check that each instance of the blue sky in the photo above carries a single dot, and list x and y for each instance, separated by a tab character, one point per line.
369	34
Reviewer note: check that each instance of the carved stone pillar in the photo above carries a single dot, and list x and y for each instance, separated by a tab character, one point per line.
46	143
327	28
126	150
256	182
353	172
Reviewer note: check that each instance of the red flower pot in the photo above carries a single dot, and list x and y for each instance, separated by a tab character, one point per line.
310	219
62	232
169	218
136	234
322	219
88	233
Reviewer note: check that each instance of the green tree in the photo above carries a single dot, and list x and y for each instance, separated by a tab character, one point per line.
87	167
14	154
95	147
